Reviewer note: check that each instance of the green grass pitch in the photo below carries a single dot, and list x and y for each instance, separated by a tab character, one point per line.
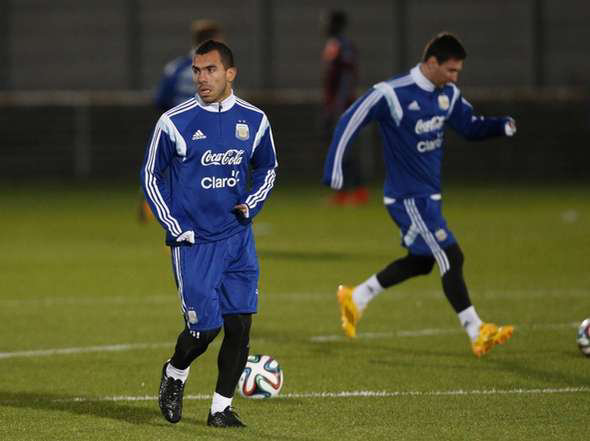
89	312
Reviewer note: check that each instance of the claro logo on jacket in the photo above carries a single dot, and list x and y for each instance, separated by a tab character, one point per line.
229	157
213	182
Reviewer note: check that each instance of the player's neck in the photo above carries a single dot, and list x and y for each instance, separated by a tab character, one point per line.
429	75
424	71
226	94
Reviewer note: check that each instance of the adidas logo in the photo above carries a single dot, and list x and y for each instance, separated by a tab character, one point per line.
199	135
414	105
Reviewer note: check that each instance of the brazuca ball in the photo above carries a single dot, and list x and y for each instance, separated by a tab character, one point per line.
583	337
262	377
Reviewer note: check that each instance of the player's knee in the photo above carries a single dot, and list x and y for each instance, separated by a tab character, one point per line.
206	337
455	256
196	341
420	265
190	345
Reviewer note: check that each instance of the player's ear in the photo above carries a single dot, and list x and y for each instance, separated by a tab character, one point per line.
432	62
230	74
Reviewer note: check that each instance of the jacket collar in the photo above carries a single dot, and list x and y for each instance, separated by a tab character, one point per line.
422	82
223	106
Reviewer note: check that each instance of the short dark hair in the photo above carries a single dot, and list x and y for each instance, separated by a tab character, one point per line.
443	47
225	53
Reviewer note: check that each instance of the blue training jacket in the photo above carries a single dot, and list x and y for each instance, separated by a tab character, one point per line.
411	113
200	162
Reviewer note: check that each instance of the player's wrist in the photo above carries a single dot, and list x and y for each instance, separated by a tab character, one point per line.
509	126
242	212
187	236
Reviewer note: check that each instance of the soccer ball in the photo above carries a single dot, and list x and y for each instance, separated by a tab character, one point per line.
262	377
583	337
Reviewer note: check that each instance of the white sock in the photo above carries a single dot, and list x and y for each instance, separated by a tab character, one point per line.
470	322
177	374
365	292
219	403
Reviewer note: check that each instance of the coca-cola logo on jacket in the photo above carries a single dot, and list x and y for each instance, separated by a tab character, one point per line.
229	157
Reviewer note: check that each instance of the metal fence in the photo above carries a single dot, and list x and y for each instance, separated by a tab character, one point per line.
76	78
104	135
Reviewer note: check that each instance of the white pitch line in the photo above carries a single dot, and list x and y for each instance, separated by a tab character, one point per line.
430	332
293	296
378	335
74	301
82	350
346	394
171	298
370	394
315	339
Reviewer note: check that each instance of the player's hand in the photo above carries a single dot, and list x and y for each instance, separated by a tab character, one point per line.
510	127
187	236
242	212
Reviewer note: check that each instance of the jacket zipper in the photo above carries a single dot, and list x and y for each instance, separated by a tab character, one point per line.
220	131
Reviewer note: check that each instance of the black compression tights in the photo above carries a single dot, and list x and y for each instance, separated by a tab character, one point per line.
453	282
401	269
190	345
233	353
414	265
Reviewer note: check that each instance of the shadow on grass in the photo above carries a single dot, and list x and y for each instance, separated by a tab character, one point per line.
551	378
499	365
145	414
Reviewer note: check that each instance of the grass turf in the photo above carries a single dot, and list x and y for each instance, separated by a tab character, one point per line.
78	271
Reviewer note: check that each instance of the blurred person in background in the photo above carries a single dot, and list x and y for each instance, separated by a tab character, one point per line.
412	111
176	84
207	172
340	78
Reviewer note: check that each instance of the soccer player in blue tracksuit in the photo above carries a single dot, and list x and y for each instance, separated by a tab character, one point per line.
176	84
412	111
195	176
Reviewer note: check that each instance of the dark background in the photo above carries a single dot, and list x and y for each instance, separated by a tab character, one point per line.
76	79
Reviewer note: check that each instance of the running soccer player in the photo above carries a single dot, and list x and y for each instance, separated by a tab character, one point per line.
412	111
195	176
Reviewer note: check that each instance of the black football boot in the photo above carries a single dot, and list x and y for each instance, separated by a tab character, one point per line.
170	398
227	418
